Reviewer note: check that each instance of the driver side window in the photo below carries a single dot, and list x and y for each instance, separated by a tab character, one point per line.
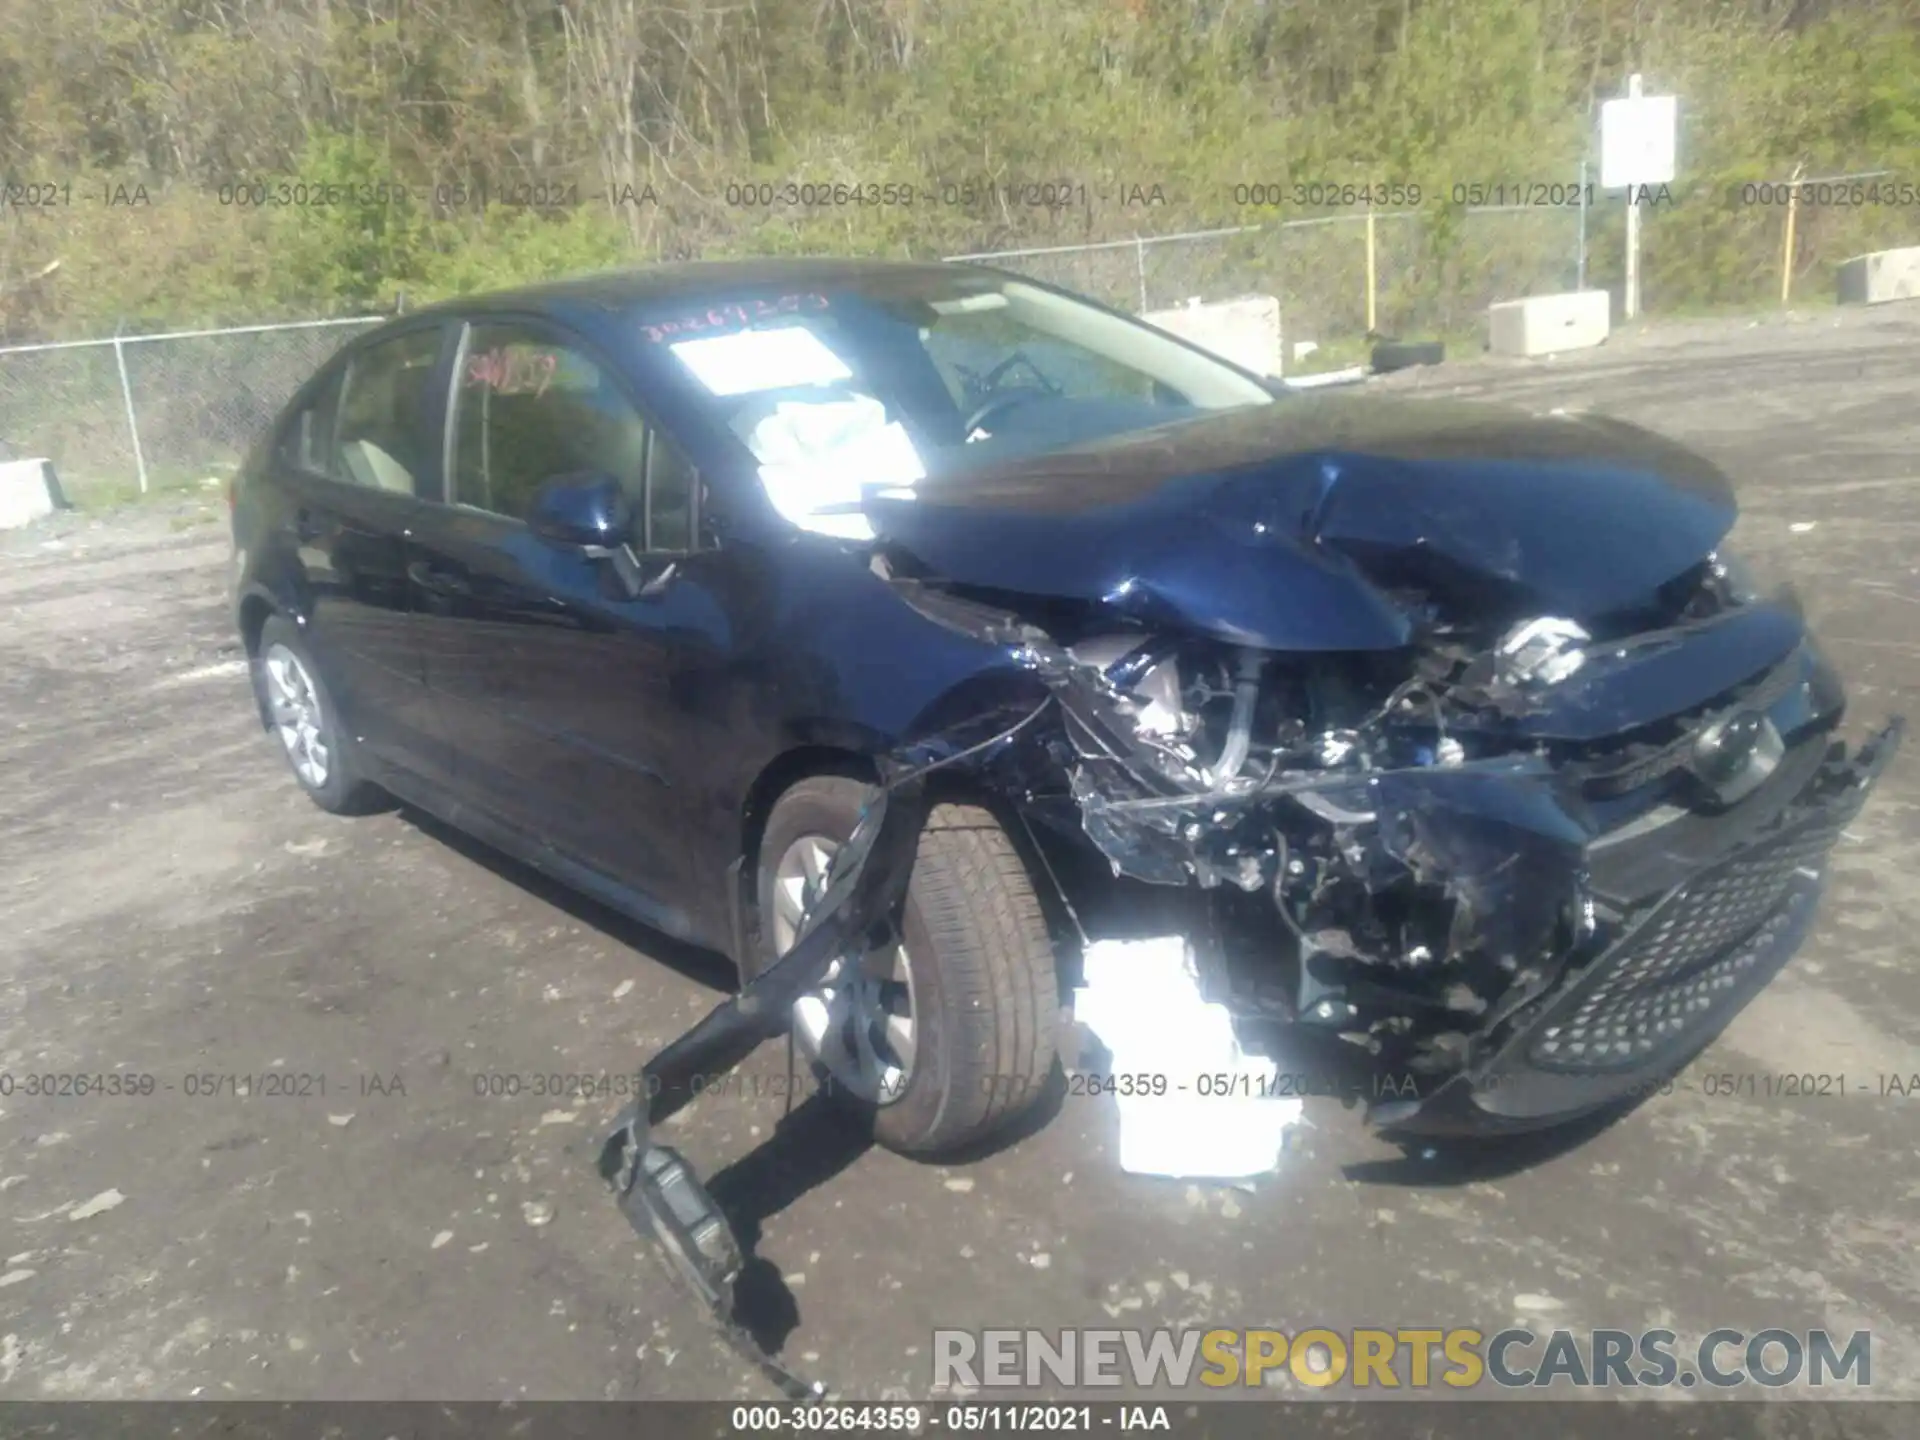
529	407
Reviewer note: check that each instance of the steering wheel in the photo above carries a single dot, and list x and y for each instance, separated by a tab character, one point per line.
991	380
1002	402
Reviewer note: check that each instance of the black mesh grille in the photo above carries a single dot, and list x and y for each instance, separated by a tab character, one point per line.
1668	974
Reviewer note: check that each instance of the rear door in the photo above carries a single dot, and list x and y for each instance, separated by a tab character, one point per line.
352	465
549	674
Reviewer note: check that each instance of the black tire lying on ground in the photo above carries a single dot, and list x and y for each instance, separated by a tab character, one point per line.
984	988
1391	355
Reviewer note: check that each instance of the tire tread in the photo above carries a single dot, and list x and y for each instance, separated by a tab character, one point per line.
978	903
998	985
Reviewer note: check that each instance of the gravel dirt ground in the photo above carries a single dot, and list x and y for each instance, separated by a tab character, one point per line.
171	905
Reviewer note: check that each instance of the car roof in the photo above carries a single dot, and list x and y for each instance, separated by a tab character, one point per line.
617	291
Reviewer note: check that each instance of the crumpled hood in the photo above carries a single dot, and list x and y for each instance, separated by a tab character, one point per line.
1292	526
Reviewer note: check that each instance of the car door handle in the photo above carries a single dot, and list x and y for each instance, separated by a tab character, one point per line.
307	527
435	581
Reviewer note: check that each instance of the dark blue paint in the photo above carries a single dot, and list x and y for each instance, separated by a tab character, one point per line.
581	510
1662	674
504	676
1295	548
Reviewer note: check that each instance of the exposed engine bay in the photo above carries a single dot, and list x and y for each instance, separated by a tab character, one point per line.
1467	743
1477	746
1491	865
1418	863
1409	847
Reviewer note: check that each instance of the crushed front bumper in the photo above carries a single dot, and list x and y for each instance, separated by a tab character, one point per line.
1668	981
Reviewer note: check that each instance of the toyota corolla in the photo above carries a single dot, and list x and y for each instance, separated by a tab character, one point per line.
1460	729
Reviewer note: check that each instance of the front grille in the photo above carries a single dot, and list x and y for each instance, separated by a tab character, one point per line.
1664	979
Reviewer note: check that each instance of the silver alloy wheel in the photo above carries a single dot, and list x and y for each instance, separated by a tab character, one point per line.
294	703
859	1024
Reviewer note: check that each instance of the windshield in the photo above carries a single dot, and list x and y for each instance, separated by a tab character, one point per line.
913	375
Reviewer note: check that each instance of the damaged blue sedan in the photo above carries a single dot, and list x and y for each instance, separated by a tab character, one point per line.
861	620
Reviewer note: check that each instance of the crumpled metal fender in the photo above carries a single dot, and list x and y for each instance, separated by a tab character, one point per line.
1660	673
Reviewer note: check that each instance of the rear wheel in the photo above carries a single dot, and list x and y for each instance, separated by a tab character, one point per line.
301	714
950	1036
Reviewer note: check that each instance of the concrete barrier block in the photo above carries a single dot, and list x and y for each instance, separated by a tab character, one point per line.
1546	324
1245	329
28	492
1882	275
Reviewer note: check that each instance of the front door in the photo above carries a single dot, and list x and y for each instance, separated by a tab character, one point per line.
550	675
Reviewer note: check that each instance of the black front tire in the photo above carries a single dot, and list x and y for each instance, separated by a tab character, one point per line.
986	984
345	790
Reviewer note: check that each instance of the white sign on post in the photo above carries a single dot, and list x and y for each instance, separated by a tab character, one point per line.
1637	141
1636	155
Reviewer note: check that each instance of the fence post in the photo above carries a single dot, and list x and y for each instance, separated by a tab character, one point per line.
1140	269
133	425
1373	279
1786	258
1631	298
1580	261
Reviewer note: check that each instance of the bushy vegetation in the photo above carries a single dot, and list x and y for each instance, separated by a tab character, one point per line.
638	116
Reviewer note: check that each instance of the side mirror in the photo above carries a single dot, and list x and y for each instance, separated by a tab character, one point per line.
582	508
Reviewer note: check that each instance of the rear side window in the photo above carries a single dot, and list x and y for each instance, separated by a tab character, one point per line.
383	439
307	442
528	407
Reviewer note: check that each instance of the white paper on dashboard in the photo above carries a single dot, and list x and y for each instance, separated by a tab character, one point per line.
754	360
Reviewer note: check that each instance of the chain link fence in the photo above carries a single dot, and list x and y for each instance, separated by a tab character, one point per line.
1431	274
140	413
1339	278
143	412
1777	239
147	412
1439	273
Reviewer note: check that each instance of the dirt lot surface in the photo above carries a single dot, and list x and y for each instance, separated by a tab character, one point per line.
171	905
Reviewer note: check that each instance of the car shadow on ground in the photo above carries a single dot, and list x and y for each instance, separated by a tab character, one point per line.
1439	1161
694	962
817	1140
1315	1063
810	1145
1446	1162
